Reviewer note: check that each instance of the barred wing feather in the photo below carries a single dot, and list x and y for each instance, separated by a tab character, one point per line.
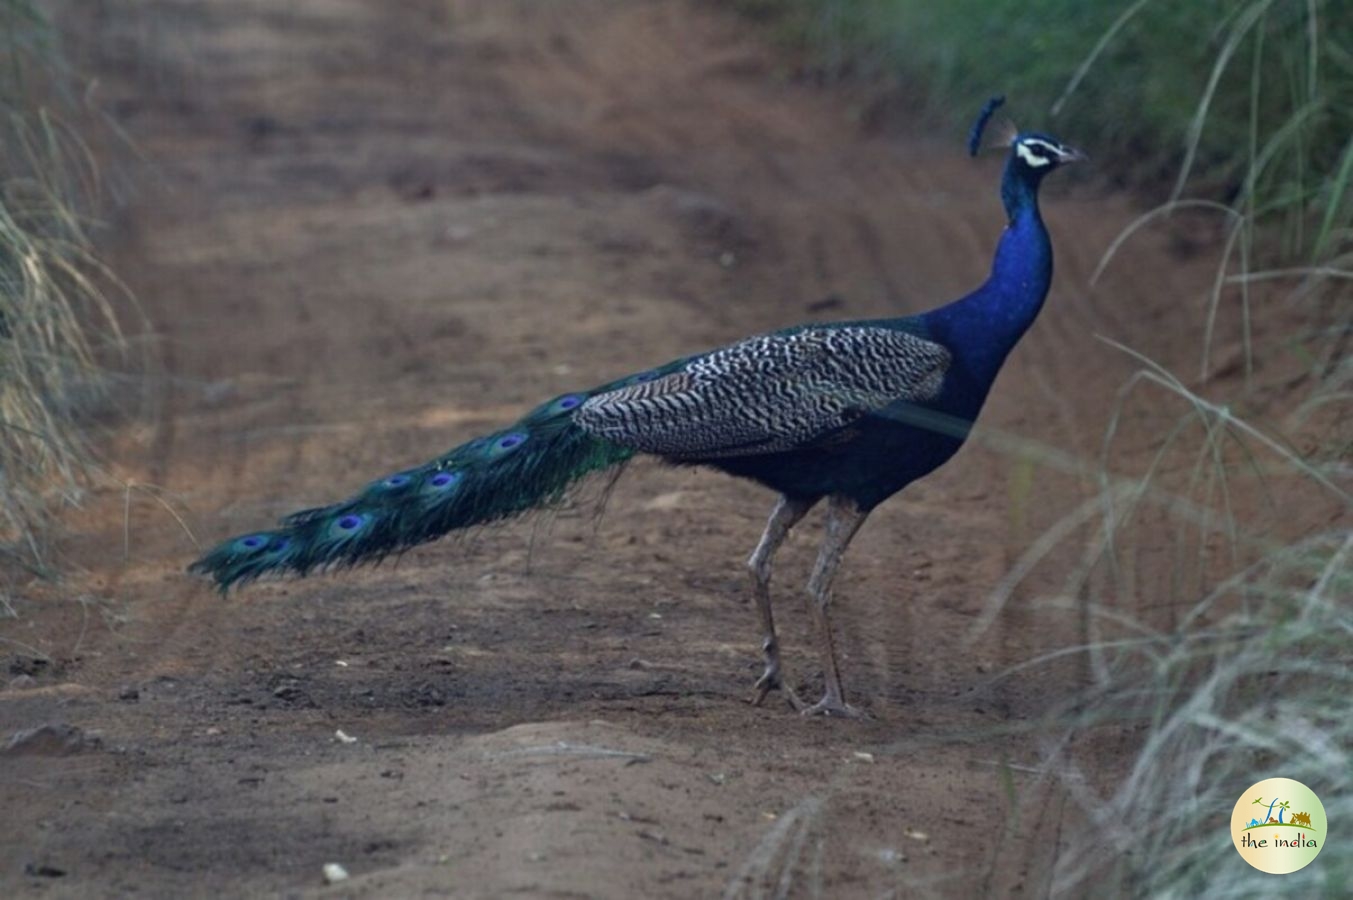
768	394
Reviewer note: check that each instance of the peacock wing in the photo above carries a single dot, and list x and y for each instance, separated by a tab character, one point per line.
770	393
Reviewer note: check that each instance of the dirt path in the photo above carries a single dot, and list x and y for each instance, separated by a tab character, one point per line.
368	231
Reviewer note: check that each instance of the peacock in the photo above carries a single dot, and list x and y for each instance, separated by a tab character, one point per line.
847	412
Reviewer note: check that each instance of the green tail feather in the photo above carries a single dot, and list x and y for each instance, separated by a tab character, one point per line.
490	478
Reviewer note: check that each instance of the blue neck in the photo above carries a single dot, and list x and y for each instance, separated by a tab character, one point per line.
1019	188
984	326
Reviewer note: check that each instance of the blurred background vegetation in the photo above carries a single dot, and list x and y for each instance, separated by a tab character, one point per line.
57	327
1246	101
1242	110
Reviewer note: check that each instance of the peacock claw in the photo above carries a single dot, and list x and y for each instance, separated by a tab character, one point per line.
771	680
833	706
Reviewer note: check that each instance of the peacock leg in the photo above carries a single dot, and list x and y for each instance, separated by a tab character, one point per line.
785	516
844	519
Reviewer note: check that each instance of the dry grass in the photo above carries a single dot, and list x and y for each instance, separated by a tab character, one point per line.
57	326
1233	672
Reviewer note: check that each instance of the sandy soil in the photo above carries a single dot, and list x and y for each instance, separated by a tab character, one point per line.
367	231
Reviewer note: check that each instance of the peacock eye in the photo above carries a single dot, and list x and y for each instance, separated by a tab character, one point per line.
1032	153
444	479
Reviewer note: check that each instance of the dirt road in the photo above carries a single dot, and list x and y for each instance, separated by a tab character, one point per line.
368	231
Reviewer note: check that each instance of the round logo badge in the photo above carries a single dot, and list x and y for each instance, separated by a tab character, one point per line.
1278	825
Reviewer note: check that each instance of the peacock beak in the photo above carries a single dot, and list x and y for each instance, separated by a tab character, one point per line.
1067	154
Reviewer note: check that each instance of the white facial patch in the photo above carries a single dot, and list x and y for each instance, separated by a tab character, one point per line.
1032	159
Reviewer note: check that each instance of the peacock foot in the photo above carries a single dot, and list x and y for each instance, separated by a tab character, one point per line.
833	706
771	680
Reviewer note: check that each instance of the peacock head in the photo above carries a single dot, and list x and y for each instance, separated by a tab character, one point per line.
1034	155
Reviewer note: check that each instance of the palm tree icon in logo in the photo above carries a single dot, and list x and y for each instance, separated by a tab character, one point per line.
1281	806
1268	816
1299	819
